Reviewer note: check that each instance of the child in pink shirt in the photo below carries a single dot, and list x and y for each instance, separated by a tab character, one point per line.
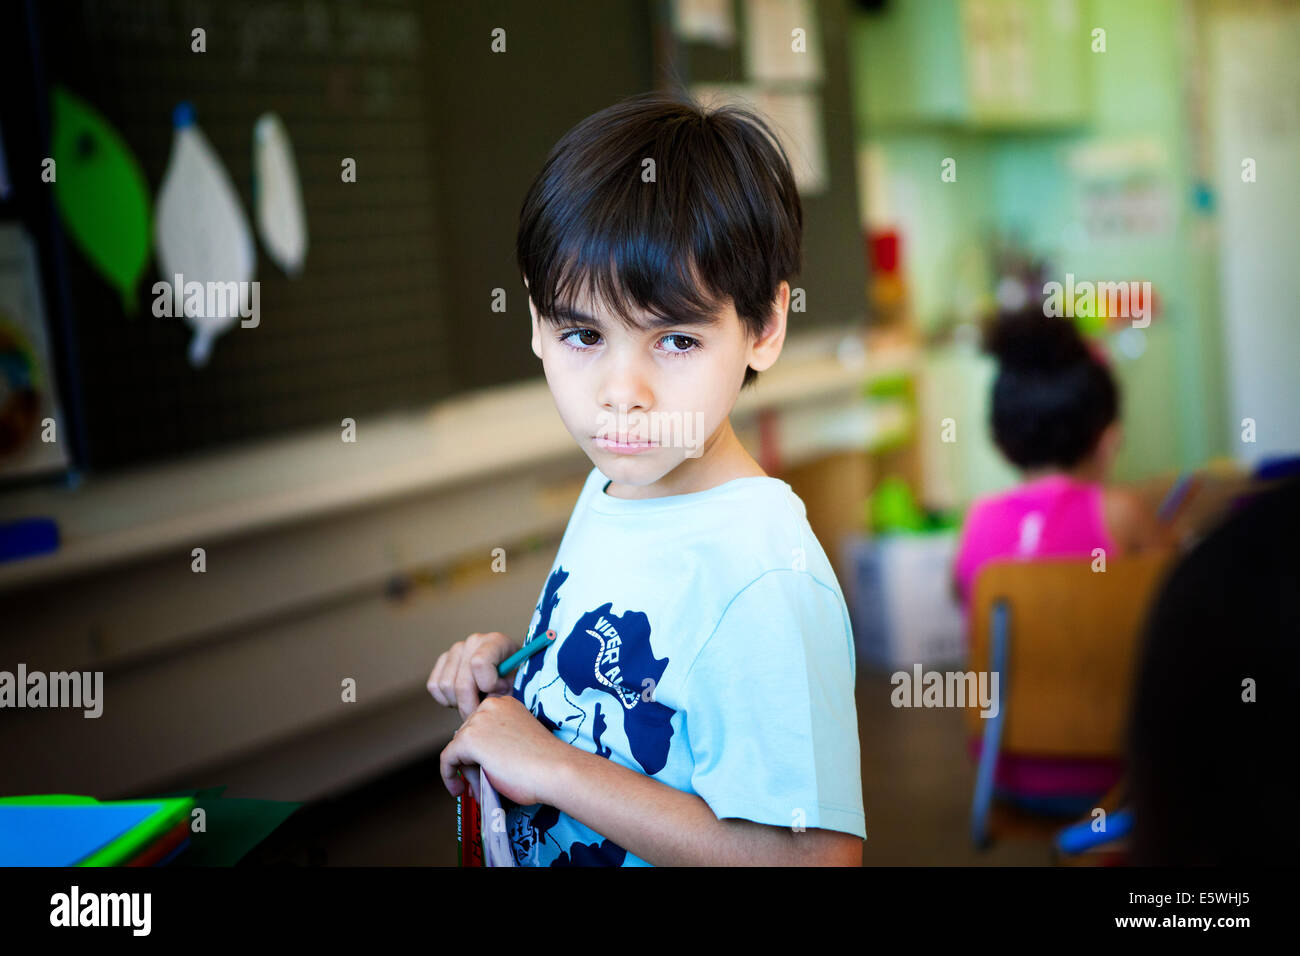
1055	415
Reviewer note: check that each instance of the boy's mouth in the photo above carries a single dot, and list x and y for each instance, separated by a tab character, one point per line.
623	446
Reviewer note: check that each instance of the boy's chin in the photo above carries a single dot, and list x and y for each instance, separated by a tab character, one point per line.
634	470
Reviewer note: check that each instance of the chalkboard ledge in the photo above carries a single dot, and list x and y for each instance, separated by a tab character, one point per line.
131	515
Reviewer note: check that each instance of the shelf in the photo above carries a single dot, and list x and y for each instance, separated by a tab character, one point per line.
231	492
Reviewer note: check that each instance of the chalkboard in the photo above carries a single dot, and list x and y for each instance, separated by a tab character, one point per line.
395	306
355	333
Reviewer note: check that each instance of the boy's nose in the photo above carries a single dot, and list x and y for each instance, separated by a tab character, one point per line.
625	388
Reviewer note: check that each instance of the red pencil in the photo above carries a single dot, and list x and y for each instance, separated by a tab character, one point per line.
469	831
469	823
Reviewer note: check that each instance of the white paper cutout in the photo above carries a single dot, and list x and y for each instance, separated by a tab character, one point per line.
709	21
770	55
202	234
277	195
795	118
496	843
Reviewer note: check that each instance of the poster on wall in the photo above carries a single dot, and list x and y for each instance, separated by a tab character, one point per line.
705	21
1121	187
33	435
782	42
796	118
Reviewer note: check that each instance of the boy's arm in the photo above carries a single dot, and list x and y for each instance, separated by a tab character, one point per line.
669	827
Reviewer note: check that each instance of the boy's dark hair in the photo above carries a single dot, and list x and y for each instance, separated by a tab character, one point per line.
1052	397
1208	762
722	218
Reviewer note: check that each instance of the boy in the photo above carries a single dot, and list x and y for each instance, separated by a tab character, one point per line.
696	705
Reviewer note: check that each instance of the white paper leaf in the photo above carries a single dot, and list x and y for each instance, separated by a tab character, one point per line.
277	195
202	234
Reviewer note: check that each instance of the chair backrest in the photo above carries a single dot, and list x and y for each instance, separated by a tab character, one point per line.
1073	640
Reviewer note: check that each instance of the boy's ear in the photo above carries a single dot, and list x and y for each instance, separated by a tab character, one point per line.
765	349
537	332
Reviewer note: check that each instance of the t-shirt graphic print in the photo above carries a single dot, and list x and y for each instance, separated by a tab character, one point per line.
664	610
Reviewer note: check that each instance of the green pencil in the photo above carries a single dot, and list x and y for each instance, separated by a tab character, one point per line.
525	652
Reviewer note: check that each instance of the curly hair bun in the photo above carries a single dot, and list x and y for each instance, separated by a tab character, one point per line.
1030	341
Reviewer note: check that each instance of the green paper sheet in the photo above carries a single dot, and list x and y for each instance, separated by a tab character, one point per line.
234	826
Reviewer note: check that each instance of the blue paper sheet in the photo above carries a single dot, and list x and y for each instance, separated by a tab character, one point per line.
63	835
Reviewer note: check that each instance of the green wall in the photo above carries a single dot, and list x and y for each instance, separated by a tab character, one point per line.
1020	180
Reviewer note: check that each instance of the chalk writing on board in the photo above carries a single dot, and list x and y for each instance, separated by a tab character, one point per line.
261	30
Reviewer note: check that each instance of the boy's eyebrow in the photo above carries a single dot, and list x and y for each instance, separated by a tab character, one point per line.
563	313
566	314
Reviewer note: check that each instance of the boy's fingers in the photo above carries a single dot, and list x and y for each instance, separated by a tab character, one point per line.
447	676
465	686
458	777
448	767
468	671
483	665
435	679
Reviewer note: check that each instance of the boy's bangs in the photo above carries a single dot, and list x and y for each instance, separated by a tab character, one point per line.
634	278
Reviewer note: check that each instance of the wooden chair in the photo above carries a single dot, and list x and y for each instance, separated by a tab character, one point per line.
1063	640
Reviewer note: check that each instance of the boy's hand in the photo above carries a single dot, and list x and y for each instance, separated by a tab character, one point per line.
470	669
506	741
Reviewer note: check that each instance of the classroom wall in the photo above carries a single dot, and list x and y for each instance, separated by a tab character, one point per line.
1254	103
1034	183
1173	401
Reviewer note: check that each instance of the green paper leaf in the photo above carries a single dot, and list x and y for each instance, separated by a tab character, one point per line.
101	193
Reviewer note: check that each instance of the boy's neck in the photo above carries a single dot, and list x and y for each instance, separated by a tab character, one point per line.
722	459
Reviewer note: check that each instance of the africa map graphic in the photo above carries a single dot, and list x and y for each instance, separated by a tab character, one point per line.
611	655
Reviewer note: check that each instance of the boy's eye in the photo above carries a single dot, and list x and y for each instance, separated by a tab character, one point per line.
582	340
682	343
565	337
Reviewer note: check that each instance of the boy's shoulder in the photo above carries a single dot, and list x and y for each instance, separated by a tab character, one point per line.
726	536
735	568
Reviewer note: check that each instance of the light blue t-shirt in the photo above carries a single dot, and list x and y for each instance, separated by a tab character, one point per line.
701	639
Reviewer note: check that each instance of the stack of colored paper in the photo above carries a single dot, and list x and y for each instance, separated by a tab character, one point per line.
69	830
